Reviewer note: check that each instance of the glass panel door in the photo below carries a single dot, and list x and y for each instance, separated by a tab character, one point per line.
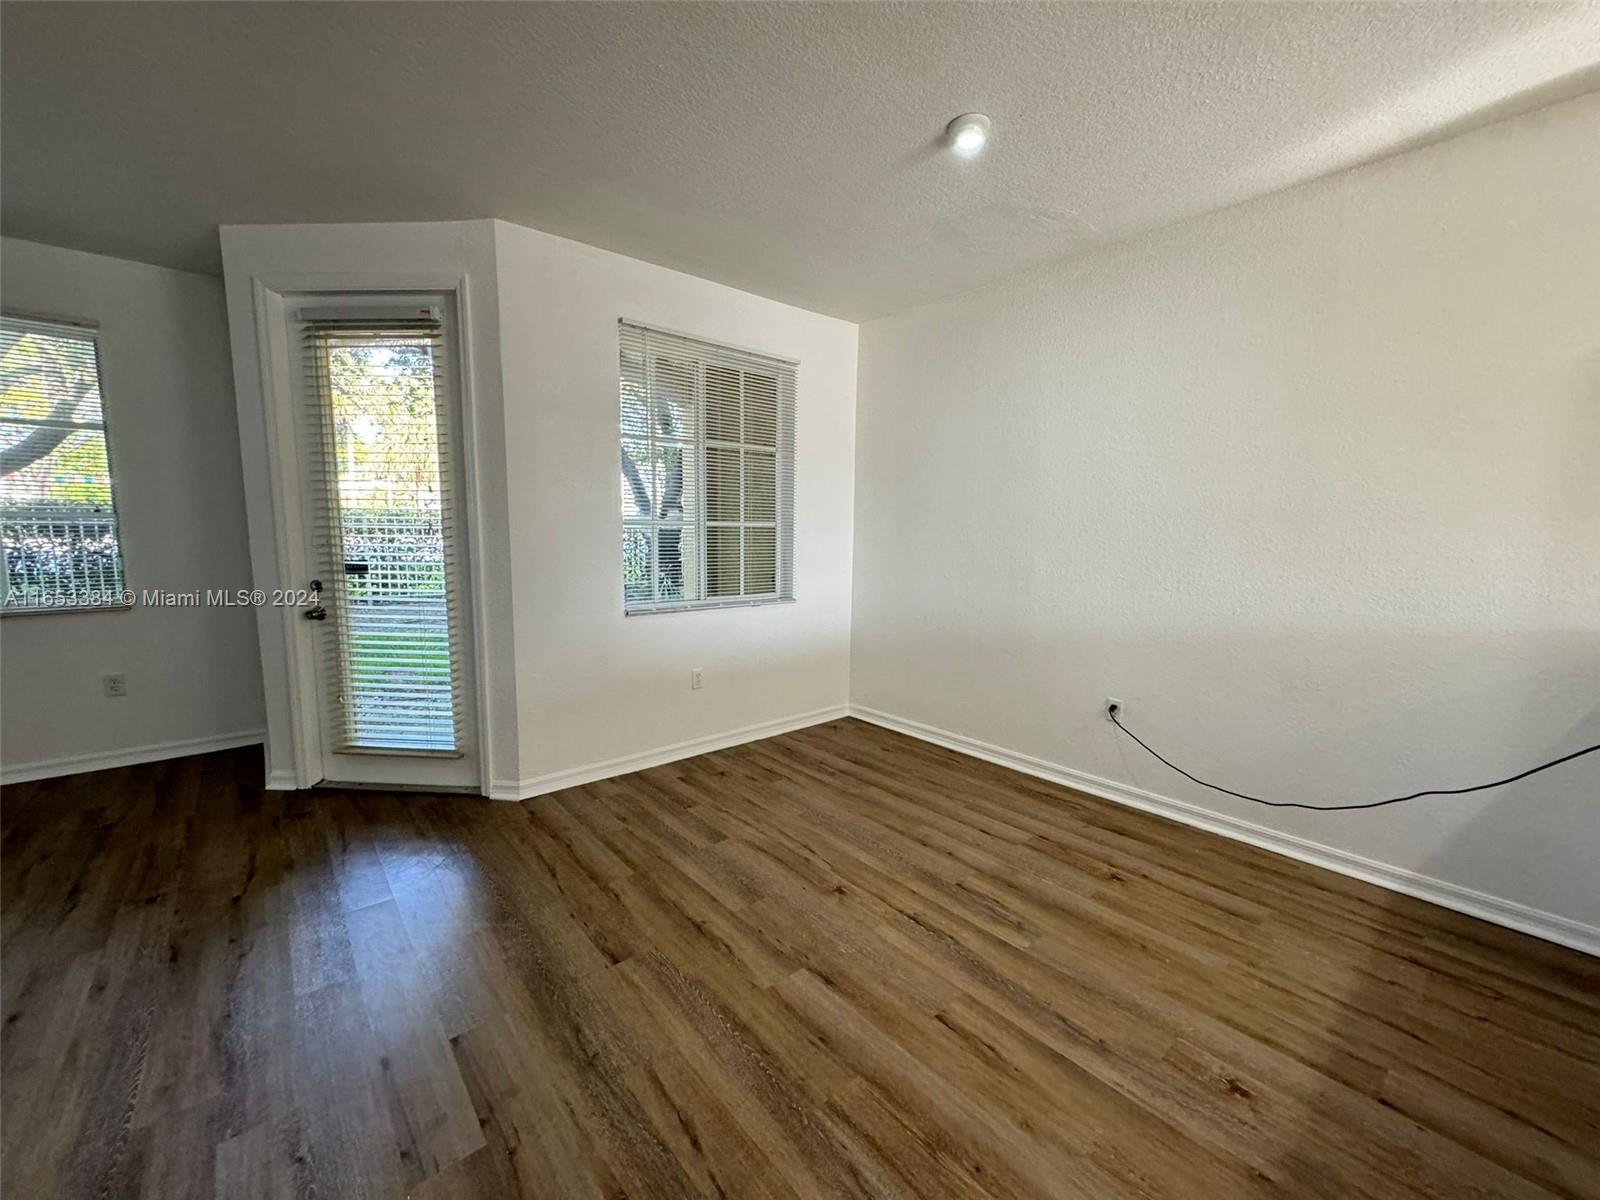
384	537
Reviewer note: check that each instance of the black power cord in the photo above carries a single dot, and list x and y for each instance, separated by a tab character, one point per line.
1555	762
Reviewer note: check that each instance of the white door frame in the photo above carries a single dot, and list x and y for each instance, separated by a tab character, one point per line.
277	359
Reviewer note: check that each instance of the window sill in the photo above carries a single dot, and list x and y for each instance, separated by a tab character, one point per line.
706	606
62	610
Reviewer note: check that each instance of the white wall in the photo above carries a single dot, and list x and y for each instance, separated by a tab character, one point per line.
595	686
193	678
1311	484
575	688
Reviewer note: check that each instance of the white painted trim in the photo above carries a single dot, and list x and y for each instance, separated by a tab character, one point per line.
542	784
1552	927
274	361
477	545
104	760
281	781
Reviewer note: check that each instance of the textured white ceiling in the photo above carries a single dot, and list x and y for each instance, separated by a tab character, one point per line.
787	149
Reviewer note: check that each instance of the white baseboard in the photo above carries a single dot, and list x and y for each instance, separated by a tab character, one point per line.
1550	926
104	760
540	785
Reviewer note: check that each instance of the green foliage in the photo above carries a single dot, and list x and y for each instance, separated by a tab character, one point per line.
385	429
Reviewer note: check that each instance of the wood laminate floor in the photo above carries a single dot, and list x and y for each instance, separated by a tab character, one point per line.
831	964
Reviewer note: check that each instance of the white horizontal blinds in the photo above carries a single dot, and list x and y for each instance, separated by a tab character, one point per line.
661	474
62	546
707	473
384	530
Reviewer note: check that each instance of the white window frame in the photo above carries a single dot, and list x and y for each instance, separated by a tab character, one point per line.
122	602
783	455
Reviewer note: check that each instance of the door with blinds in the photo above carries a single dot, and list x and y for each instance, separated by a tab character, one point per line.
386	614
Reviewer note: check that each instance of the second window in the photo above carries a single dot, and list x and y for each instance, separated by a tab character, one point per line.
707	473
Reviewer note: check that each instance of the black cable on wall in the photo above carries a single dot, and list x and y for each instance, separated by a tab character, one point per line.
1113	713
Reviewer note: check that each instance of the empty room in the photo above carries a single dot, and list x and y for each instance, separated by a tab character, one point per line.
800	600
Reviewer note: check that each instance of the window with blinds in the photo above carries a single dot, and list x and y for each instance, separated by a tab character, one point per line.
707	473
62	546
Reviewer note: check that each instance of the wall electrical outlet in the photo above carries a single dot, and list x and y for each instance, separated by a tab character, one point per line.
115	685
697	678
1113	705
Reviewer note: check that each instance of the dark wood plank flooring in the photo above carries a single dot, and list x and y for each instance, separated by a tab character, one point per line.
836	963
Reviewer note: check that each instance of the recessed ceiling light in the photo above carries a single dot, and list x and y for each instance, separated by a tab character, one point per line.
968	134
